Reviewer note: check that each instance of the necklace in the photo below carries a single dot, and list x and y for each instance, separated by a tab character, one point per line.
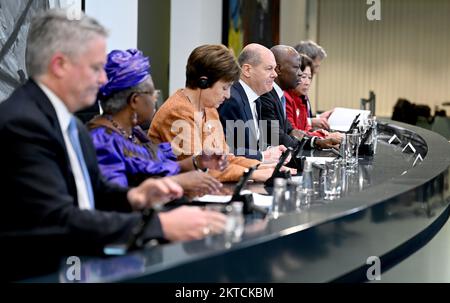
189	98
202	112
122	131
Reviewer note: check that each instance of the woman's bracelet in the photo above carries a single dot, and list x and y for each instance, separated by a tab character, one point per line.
196	167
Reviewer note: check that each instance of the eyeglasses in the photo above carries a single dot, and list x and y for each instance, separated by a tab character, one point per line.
154	94
303	77
145	92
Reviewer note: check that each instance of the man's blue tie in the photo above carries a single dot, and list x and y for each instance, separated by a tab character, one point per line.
74	139
283	104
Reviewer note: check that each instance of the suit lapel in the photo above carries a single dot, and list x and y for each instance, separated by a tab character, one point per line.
44	104
279	108
42	101
246	105
244	101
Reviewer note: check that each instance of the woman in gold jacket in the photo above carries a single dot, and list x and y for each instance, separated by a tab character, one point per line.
189	118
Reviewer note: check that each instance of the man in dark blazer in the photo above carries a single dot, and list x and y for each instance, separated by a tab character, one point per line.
55	201
239	114
273	103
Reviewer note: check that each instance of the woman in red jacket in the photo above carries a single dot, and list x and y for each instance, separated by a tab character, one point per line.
297	105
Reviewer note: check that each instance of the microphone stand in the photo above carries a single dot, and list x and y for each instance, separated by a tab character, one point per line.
297	157
277	173
354	124
247	199
135	241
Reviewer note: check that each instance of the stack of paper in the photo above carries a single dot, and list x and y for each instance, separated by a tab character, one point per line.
319	160
262	200
213	198
258	199
342	118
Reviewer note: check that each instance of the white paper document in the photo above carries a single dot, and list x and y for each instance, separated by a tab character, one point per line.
262	200
297	179
342	118
258	199
319	160
214	198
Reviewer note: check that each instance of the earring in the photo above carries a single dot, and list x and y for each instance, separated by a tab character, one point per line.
134	118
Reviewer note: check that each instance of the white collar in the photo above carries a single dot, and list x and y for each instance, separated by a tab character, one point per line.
62	113
251	95
278	89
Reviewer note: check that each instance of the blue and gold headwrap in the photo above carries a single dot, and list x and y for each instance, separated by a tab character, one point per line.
124	69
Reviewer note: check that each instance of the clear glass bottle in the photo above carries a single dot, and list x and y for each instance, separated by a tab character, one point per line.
343	147
374	134
279	196
235	222
293	196
308	182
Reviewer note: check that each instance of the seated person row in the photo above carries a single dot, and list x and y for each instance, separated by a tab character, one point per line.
189	118
50	170
297	103
273	103
240	114
125	154
317	54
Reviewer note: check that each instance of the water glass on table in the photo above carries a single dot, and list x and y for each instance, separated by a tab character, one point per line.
332	181
351	150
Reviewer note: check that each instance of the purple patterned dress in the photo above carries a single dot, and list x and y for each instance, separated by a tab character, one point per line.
128	163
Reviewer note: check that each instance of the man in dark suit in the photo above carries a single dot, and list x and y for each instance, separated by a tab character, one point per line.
55	201
239	114
273	103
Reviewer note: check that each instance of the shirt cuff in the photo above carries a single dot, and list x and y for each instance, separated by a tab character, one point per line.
262	153
313	139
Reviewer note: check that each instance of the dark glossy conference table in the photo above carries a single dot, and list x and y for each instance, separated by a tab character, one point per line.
394	205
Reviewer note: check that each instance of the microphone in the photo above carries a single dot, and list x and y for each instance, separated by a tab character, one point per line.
336	152
247	199
366	136
242	182
277	173
354	124
366	148
297	157
299	148
135	241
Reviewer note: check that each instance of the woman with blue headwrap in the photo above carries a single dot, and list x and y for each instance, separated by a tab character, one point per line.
125	154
